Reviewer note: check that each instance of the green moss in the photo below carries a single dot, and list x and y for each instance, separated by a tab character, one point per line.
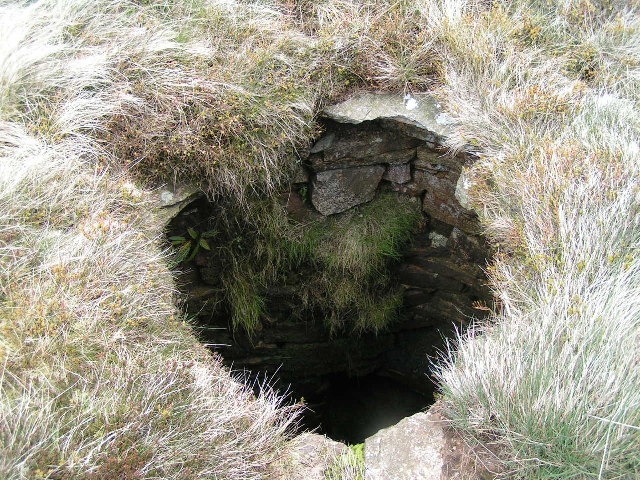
362	240
351	254
350	465
247	305
379	311
334	268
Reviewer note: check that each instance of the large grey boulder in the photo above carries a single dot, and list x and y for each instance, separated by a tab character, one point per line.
334	191
421	112
425	447
410	450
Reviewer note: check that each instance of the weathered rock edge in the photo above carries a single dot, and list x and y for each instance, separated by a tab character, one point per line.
425	447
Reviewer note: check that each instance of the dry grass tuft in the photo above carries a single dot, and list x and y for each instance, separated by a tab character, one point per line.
554	118
100	377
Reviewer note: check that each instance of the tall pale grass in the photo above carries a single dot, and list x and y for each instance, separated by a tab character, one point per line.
100	377
552	376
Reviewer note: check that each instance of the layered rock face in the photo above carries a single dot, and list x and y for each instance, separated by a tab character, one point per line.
386	146
373	143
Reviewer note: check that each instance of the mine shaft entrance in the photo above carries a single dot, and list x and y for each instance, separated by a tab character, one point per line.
352	409
290	288
352	384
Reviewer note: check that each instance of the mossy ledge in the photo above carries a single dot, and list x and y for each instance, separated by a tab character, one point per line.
101	100
345	256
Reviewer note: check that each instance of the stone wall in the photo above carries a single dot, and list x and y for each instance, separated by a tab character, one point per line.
363	151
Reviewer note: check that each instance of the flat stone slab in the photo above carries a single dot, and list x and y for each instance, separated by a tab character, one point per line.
429	159
334	191
170	200
359	147
398	173
419	110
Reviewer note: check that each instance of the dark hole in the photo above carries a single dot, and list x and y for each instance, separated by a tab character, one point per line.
353	385
353	382
352	409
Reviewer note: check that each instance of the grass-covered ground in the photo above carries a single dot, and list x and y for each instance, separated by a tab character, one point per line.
100	100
